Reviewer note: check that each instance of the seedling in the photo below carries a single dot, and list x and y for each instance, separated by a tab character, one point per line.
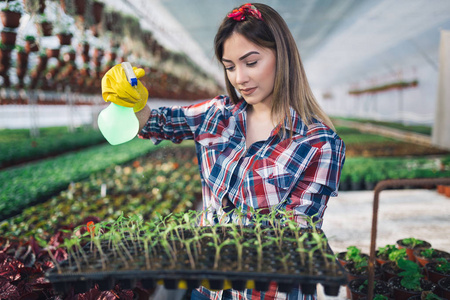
428	253
443	265
411	274
412	242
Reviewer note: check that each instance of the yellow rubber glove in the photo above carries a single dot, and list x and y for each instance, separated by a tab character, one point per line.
116	88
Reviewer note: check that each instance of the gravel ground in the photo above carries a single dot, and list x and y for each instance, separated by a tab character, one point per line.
423	214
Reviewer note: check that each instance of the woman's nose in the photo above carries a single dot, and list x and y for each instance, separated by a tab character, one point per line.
241	75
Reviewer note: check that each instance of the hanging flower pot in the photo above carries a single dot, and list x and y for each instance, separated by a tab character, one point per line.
10	18
65	38
85	58
52	52
31	46
8	37
69	56
94	29
97	10
80	7
42	63
5	58
45	28
22	57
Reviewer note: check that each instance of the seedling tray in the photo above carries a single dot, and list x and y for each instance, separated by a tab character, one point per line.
281	262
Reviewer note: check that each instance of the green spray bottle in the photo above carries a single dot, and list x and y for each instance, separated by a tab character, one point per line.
119	124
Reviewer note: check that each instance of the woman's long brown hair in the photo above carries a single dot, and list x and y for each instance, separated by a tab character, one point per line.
291	87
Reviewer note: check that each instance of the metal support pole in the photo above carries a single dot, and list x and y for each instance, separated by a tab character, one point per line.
416	183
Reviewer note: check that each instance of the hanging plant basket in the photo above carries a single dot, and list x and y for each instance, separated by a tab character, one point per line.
31	46
80	7
5	60
22	60
42	63
8	37
97	10
64	38
45	28
10	18
52	53
69	56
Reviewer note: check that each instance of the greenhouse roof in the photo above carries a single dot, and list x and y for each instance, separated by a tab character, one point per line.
340	41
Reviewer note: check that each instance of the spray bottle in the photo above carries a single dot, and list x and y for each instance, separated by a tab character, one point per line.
119	124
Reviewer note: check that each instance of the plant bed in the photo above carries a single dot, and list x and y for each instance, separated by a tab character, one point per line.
174	249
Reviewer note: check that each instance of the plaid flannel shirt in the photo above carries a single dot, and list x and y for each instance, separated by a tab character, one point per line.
297	174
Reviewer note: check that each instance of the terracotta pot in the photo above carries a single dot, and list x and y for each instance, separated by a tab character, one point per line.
443	288
447	190
80	7
42	6
97	10
5	60
31	46
42	63
400	293
64	38
10	18
22	59
441	189
69	56
9	37
45	28
410	251
52	52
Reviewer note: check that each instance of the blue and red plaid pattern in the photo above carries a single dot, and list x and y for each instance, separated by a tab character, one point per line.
298	174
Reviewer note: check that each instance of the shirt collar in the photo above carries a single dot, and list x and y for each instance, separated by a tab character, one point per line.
298	126
235	108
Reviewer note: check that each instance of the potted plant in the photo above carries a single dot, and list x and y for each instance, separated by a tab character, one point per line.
97	11
52	52
426	255
382	254
9	36
70	55
359	289
391	268
438	269
30	44
410	244
11	13
351	254
44	26
410	281
5	57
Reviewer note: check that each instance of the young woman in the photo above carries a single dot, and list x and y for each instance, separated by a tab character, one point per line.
267	146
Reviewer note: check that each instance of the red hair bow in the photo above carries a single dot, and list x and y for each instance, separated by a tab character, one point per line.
245	10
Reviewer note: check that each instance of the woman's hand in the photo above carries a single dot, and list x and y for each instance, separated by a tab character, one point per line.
117	89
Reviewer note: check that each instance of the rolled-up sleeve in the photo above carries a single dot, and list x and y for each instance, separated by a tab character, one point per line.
176	123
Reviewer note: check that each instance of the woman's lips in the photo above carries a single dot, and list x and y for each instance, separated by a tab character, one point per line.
248	91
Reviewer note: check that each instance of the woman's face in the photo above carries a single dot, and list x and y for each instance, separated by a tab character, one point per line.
250	69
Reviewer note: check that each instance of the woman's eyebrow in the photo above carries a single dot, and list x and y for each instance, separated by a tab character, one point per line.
242	57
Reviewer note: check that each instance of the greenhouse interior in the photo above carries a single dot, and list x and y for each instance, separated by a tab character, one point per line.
87	213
